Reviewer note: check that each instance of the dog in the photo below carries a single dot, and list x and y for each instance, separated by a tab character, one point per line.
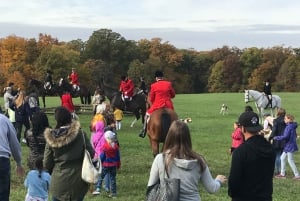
187	120
224	109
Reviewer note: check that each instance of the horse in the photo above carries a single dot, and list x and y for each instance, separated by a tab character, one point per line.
158	127
83	92
39	86
137	105
261	101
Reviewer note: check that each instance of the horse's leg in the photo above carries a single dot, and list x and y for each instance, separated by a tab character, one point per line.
44	101
133	122
155	147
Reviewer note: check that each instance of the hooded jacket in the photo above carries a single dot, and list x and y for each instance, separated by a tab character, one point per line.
190	175
98	139
289	137
63	158
251	173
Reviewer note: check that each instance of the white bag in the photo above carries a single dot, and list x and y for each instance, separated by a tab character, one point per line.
89	173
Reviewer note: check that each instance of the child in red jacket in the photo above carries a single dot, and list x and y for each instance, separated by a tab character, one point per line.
110	158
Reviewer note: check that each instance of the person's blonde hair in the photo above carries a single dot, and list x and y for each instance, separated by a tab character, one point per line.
20	99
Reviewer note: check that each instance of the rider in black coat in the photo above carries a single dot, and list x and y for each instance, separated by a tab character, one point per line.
268	93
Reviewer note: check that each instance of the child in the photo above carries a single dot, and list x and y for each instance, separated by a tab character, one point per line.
110	158
37	182
290	137
237	137
118	114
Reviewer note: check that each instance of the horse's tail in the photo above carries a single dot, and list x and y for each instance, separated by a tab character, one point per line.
165	124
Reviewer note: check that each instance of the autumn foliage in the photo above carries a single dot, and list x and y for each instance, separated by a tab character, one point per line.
106	54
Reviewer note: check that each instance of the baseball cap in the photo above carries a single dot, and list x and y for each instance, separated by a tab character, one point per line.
250	121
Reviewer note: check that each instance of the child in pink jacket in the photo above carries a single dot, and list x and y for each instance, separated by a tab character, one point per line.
237	137
97	139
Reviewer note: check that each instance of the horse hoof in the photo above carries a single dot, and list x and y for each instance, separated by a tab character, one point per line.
142	135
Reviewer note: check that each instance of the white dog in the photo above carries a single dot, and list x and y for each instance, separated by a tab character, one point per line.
224	109
187	120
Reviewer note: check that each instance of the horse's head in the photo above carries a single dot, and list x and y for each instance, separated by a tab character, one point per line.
247	98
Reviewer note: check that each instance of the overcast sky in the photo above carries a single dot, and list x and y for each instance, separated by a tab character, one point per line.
198	24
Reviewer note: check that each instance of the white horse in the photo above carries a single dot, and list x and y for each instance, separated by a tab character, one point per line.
261	101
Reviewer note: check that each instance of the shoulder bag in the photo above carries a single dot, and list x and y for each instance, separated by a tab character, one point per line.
89	173
168	190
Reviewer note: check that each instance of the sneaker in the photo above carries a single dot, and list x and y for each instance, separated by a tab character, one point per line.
24	140
280	176
296	178
96	192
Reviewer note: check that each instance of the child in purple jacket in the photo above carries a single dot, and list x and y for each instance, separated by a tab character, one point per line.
290	137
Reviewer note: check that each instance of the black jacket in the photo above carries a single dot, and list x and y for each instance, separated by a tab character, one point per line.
277	130
251	173
267	89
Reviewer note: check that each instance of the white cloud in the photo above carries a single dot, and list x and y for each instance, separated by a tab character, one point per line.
214	16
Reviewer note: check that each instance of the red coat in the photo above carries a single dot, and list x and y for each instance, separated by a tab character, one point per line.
127	87
66	101
160	95
74	78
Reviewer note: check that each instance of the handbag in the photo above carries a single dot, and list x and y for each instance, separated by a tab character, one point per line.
89	173
168	190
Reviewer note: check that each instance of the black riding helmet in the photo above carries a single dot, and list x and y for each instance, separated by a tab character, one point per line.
123	77
158	73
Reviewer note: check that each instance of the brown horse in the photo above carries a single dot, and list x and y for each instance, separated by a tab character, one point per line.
158	126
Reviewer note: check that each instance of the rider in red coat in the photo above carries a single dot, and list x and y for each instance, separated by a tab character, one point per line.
127	89
74	79
160	96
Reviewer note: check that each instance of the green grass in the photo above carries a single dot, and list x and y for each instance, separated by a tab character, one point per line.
210	135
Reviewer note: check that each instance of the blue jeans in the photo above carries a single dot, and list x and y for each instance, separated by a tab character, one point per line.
4	179
112	173
18	127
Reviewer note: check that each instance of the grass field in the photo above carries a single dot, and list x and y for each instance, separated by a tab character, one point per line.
211	136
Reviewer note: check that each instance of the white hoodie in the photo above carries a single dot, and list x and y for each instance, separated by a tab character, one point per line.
188	171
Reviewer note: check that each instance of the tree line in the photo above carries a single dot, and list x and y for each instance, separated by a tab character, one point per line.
108	55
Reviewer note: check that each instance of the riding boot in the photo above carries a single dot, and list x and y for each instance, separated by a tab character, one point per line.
143	131
126	103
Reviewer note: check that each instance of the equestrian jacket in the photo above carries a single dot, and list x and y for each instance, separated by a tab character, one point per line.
66	101
127	87
74	78
160	96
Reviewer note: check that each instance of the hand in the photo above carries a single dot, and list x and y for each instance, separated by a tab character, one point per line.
221	178
20	170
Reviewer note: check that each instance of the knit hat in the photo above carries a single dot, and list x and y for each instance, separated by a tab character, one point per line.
109	135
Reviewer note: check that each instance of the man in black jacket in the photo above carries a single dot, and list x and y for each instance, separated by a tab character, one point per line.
252	165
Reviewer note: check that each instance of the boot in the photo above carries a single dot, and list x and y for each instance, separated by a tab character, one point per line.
126	103
143	131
